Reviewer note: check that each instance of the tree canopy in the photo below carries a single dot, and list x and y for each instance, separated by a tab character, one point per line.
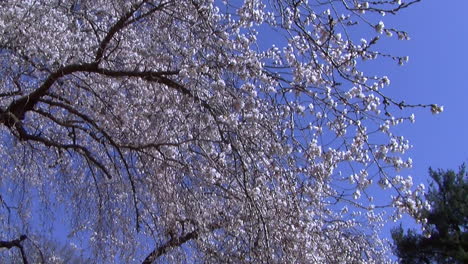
201	130
445	223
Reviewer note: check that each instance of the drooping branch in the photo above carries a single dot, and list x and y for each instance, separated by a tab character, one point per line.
83	151
15	113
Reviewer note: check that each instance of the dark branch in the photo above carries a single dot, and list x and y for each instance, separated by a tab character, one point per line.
24	135
19	107
16	243
119	25
177	242
164	248
26	103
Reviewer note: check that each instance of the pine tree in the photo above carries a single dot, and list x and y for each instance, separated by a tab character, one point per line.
446	238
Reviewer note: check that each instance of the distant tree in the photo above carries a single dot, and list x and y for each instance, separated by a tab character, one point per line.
446	225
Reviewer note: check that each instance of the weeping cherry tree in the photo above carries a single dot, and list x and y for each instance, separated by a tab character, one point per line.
200	130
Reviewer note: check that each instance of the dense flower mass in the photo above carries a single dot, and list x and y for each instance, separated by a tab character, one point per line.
201	130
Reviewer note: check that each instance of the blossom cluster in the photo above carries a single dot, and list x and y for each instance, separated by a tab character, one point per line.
227	131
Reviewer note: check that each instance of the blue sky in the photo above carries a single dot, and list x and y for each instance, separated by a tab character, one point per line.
435	73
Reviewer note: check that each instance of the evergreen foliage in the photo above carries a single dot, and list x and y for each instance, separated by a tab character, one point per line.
446	237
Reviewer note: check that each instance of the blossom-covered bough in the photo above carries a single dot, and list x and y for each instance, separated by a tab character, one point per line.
200	130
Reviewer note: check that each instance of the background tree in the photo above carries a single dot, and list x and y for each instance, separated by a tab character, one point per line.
221	131
446	223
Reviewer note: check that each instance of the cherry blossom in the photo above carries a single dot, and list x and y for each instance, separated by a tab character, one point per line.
202	131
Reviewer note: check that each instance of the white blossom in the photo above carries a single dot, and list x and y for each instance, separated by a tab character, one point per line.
380	27
201	131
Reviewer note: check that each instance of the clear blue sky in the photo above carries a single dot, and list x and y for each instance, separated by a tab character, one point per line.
436	73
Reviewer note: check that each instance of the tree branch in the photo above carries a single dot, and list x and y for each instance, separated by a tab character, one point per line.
16	243
177	242
26	103
172	243
121	23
